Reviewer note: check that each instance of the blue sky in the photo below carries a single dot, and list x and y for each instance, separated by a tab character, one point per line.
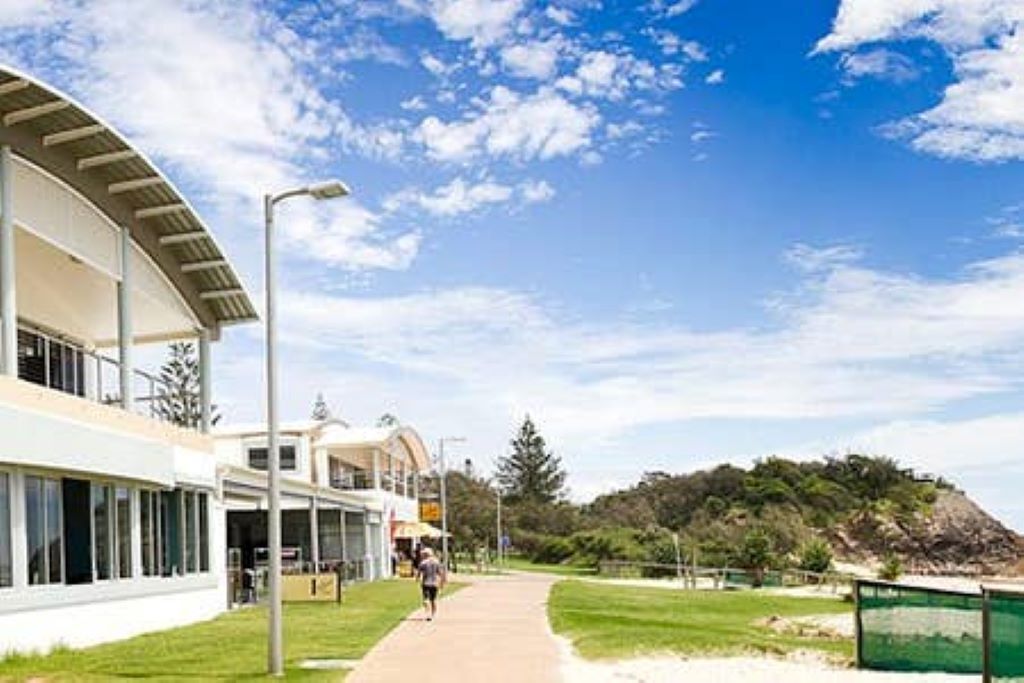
675	232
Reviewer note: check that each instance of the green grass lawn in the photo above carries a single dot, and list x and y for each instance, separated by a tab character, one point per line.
233	646
525	565
618	622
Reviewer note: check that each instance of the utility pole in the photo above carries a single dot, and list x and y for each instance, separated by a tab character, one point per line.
444	493
500	547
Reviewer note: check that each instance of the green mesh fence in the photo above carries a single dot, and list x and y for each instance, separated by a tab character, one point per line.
746	579
1006	637
906	628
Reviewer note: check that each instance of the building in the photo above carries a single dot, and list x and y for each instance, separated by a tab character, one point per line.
109	518
349	484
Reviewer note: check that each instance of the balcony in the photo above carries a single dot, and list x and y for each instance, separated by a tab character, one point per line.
358	480
49	361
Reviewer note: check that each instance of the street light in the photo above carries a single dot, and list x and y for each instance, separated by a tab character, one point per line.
444	493
326	190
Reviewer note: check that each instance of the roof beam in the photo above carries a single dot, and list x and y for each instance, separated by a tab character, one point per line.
106	158
137	184
221	293
163	210
203	265
180	237
72	134
29	113
13	86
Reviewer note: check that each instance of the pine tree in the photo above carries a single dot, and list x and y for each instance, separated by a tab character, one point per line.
177	400
320	410
531	473
388	420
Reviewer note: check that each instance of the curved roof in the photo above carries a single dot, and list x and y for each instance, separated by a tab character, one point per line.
54	131
360	437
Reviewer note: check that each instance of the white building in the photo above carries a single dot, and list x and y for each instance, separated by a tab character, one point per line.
349	484
109	519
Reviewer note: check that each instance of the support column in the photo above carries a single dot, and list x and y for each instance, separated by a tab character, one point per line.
344	538
371	572
124	321
376	469
314	534
392	473
8	301
205	381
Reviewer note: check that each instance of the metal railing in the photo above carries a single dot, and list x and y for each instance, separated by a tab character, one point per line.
352	481
724	577
66	367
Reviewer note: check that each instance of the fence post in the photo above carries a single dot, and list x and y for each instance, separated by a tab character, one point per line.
858	627
986	636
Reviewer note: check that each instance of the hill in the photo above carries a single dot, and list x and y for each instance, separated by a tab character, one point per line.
866	508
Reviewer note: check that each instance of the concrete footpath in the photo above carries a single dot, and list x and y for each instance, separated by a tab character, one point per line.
494	630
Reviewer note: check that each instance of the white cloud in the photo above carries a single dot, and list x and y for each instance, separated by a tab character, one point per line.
542	125
671	8
366	45
611	75
849	343
535	59
414	103
716	77
981	115
816	259
482	22
560	15
879	63
236	109
461	197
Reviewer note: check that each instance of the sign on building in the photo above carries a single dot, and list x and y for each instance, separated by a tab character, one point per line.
430	511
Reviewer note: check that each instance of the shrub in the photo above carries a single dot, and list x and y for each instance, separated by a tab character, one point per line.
755	553
552	551
891	569
816	556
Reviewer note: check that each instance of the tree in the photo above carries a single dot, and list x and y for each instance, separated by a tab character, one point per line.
177	400
320	410
531	474
816	556
388	420
755	554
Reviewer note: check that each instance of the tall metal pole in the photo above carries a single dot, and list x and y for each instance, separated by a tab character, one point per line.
205	380
125	325
444	503
499	544
275	644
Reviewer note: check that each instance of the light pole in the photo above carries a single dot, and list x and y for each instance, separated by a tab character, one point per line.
444	494
275	639
500	545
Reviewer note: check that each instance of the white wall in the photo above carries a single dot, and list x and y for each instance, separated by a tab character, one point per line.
100	622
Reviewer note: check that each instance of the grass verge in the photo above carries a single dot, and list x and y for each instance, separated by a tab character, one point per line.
524	565
620	622
233	646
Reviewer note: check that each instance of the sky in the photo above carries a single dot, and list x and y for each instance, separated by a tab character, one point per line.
674	232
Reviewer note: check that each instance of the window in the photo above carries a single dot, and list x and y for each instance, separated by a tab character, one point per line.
123	526
48	362
190	531
204	533
170	533
148	515
43	530
258	458
5	530
102	521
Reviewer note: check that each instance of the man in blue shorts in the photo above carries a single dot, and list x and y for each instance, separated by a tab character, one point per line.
432	577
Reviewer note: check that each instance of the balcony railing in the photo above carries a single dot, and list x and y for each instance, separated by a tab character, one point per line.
61	365
352	481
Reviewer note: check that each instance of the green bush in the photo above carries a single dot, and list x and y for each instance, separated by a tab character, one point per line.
816	556
891	569
552	551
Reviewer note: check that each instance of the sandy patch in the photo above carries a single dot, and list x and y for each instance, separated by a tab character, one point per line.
798	668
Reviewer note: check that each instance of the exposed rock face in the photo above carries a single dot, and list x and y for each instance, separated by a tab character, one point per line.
956	538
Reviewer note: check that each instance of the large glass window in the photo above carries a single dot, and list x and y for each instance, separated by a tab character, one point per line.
43	530
5	530
102	523
123	505
171	533
258	458
51	363
204	532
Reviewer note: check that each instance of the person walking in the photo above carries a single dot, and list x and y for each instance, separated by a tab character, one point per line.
432	578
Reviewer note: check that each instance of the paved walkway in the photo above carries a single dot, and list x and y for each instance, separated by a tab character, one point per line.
494	630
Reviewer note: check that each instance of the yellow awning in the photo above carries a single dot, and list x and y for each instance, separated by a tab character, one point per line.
416	530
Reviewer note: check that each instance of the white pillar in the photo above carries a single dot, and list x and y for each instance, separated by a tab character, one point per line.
344	538
19	541
376	469
368	545
124	321
205	406
136	540
8	301
314	534
392	473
